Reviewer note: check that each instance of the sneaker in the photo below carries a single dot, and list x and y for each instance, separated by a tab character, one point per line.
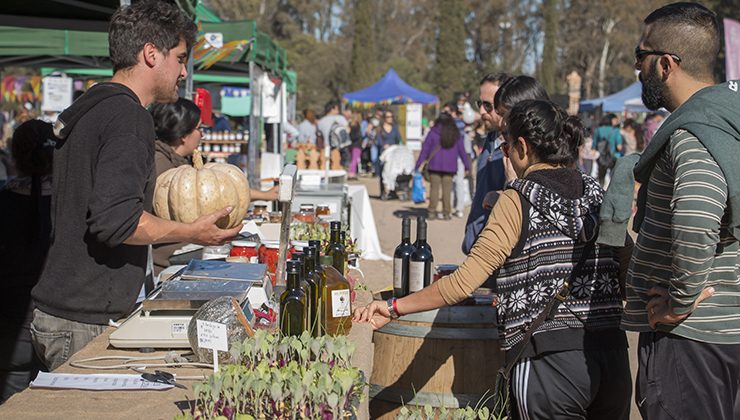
431	215
458	214
446	216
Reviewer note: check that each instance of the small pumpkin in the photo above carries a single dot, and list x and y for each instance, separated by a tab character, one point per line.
185	193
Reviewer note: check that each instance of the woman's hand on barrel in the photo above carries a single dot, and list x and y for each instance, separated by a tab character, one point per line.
375	313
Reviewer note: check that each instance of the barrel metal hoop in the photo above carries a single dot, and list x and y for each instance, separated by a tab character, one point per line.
395	328
421	398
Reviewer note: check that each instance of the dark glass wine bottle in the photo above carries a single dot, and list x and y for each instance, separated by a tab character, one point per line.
336	249
421	219
401	258
316	243
293	303
301	258
420	262
310	275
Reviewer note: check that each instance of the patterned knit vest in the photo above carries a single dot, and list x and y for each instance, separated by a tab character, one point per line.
554	235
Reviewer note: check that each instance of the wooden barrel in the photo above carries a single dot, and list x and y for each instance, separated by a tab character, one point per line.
446	357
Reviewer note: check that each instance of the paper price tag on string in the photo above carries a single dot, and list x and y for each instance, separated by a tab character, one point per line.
212	335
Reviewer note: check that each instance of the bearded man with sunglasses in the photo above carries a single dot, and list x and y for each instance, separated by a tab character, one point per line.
490	174
683	283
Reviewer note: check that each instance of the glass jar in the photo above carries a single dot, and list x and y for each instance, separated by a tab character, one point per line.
323	210
306	214
276	217
260	210
247	249
268	255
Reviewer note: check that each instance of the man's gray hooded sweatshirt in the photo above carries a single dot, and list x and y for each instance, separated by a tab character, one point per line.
103	180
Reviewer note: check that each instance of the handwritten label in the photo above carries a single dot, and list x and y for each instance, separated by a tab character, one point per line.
212	335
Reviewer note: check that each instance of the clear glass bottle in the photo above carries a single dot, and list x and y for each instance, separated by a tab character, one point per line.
336	249
337	316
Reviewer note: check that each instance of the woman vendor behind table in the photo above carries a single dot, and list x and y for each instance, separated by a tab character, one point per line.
25	226
575	365
179	130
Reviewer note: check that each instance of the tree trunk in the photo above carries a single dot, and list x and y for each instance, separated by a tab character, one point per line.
608	27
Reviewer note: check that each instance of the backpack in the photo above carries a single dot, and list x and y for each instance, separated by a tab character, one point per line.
606	157
339	136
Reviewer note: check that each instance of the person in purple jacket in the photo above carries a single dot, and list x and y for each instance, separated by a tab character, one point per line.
442	146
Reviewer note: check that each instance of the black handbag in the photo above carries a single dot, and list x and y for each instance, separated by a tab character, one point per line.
502	387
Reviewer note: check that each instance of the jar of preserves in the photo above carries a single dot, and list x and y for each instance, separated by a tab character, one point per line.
276	217
306	214
323	210
260	210
247	249
268	255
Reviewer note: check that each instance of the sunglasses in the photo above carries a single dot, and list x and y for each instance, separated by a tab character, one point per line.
640	54
488	106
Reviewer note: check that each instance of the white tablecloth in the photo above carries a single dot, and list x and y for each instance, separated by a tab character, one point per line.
362	224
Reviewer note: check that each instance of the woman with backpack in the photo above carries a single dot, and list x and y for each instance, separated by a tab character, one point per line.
441	148
607	140
566	358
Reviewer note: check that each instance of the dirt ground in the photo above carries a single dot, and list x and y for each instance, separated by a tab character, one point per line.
445	238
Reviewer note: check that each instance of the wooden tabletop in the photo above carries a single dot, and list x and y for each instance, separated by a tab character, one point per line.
79	404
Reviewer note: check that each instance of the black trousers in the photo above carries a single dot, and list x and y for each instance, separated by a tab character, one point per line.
575	384
678	378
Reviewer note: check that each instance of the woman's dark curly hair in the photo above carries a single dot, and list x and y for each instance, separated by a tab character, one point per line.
553	135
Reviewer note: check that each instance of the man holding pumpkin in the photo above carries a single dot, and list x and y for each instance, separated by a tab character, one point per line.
104	185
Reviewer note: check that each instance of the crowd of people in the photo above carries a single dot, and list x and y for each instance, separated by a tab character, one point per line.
542	230
555	245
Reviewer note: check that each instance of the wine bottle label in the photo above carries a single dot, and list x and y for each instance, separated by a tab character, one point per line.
416	276
397	273
340	303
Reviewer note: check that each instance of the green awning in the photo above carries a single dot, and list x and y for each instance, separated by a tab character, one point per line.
35	42
198	77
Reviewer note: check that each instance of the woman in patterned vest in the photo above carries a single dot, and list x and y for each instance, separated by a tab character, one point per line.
540	235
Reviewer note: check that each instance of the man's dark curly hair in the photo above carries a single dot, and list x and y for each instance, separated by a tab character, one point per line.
158	22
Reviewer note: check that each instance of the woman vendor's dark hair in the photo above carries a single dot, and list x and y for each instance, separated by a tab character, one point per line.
517	89
175	121
448	131
553	134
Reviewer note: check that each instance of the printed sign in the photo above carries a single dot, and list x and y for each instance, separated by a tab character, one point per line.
215	39
413	121
57	93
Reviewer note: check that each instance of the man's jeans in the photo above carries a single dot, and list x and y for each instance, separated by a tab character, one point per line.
56	339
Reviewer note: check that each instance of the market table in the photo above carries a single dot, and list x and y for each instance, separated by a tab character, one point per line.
78	404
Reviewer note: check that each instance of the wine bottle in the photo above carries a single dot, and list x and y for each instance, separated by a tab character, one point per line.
310	275
420	262
336	249
293	303
337	314
301	259
401	259
425	244
320	284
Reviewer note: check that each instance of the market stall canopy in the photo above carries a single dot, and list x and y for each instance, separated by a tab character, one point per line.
391	89
82	10
37	40
629	98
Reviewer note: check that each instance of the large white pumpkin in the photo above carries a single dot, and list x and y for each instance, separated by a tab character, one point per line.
185	193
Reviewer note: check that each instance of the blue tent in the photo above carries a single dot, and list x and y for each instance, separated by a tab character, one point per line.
628	98
391	89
